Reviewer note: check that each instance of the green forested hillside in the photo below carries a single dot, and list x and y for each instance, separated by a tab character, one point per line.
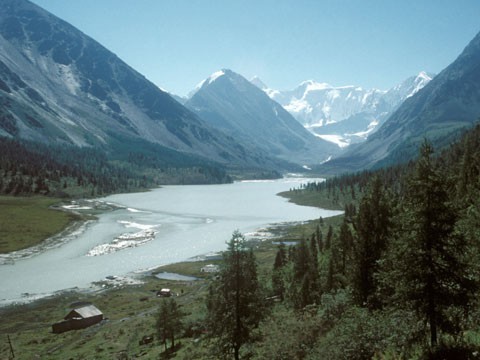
399	279
34	168
396	277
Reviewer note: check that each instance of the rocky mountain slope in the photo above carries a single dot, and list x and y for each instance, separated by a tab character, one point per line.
443	108
57	85
229	102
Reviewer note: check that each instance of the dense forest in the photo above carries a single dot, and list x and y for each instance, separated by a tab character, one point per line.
398	279
61	170
400	276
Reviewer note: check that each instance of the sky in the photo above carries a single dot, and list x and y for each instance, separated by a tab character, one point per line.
369	43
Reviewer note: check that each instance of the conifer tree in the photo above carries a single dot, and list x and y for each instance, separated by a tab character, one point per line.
319	236
328	240
278	282
305	289
372	224
428	270
169	321
234	303
345	243
314	252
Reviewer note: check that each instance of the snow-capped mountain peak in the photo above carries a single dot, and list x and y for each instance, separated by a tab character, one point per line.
344	114
207	81
215	76
422	79
424	75
312	85
236	106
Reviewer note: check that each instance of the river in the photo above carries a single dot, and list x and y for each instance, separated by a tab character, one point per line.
169	224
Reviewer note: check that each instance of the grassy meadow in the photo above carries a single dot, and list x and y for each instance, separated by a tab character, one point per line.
27	221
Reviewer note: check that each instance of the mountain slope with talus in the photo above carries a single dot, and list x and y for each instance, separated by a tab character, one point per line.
439	112
228	101
57	85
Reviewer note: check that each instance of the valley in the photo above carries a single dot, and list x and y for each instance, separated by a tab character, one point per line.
240	221
186	221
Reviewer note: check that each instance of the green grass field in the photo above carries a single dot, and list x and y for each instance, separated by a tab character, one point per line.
27	221
312	198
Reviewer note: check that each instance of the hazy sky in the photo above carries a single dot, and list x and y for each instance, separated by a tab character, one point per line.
369	43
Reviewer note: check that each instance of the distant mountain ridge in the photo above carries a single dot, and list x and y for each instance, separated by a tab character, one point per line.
345	114
229	102
58	85
439	111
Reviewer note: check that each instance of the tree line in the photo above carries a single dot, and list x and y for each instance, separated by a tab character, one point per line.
397	279
35	168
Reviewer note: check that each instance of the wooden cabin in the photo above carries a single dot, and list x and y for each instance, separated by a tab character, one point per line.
210	268
164	293
78	318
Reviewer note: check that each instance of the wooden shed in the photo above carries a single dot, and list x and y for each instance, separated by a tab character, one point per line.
78	318
164	293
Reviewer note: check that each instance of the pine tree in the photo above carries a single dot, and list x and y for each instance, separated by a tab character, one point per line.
372	224
428	269
278	282
328	241
345	243
314	252
234	303
305	289
169	321
319	236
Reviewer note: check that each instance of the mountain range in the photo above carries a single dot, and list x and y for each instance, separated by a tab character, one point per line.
231	103
441	110
59	86
347	114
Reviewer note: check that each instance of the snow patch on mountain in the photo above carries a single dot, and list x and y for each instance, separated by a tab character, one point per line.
420	81
215	76
364	134
336	139
311	85
343	114
206	81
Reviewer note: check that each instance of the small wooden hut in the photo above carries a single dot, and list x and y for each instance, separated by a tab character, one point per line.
164	293
78	318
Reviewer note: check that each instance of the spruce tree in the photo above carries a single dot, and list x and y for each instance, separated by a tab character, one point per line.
169	321
305	288
278	282
372	224
319	236
328	241
345	243
427	267
234	303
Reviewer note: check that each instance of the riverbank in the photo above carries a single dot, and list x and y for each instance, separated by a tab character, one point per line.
130	305
31	225
28	221
129	302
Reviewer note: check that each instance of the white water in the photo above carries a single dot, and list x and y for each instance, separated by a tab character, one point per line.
188	221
